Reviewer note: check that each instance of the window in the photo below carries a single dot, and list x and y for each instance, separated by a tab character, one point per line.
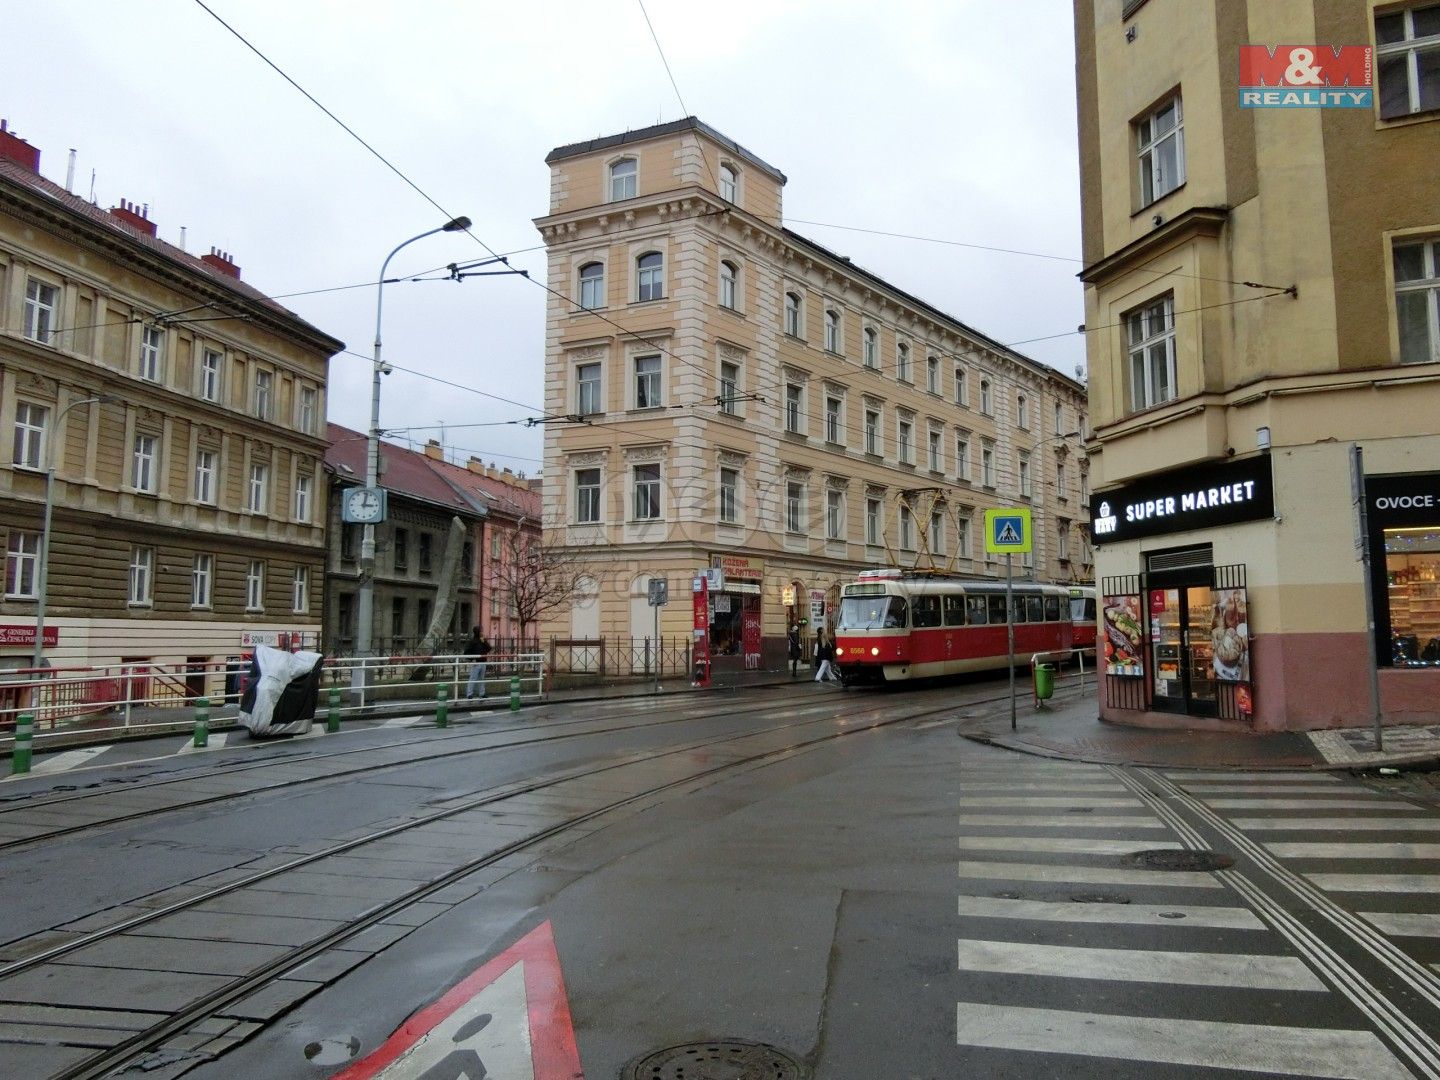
201	579
151	339
834	515
962	392
142	561
1062	539
302	497
348	533
1160	148
494	545
259	489
903	429
210	362
987	403
1417	300
832	331
467	573
729	496
872	432
1024	475
300	593
792	314
1022	411
255	586
962	457
936	454
622	179
872	348
587	496
795	506
1409	60
22	563
834	420
729	280
651	276
427	545
205	476
727	183
402	549
142	463
309	397
264	385
592	286
907	529
1060	480
1059	418
1151	333
902	362
794	408
647	382
587	382
41	302
397	617
937	533
647	492
30	435
729	387
962	536
874	521
932	374
987	466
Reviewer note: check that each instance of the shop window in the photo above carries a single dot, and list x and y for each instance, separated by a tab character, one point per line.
1412	570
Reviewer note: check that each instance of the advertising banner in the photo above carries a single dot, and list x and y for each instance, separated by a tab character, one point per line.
1230	636
14	634
1124	638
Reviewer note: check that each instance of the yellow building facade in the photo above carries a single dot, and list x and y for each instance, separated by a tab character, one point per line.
1262	297
741	398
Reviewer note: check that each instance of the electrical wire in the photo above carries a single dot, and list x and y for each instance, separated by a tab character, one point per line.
684	109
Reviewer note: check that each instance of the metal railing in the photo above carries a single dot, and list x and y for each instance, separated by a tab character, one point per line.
642	657
1059	657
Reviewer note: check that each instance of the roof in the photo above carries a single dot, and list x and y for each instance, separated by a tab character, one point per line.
496	496
403	472
33	183
656	131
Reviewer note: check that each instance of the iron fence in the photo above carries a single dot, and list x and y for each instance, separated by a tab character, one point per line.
621	656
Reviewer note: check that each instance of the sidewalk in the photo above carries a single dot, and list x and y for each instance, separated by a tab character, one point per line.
1070	728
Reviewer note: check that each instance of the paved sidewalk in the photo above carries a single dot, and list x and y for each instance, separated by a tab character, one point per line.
1070	727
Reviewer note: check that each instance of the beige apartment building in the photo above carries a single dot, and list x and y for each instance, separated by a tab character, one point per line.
183	414
1263	296
742	398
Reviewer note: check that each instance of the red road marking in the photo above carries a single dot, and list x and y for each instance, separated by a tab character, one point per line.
553	1052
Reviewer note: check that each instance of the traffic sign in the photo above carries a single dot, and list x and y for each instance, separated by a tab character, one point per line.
1008	531
509	1018
659	592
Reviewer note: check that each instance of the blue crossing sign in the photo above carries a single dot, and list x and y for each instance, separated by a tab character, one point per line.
1008	530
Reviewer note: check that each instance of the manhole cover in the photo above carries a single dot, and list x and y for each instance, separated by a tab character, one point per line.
1099	898
727	1059
1166	859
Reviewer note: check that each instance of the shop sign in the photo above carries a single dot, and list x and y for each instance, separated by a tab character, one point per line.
15	634
817	606
740	574
1198	497
787	596
250	638
1396	501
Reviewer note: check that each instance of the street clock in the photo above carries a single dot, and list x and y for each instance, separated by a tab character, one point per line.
364	506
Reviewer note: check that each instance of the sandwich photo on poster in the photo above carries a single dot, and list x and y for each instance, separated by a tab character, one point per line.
1230	636
1123	636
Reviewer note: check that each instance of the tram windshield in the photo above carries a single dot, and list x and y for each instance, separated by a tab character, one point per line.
871	613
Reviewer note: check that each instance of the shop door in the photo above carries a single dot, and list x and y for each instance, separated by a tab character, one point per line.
1184	679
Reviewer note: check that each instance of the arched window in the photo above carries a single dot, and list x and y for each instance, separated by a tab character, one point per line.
651	276
592	285
832	331
902	362
729	276
872	347
986	405
728	179
622	179
792	314
1022	411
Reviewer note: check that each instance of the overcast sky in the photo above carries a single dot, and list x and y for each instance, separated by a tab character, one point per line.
952	120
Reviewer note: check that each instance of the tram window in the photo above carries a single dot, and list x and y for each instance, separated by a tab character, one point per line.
895	615
1034	609
997	609
975	610
871	612
1052	609
927	611
954	610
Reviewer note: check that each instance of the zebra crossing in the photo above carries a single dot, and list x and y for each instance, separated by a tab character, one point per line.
1075	960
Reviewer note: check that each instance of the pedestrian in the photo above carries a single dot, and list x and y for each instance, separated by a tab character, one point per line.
794	637
825	654
476	649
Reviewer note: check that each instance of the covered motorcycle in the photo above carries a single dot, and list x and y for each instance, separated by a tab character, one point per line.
281	691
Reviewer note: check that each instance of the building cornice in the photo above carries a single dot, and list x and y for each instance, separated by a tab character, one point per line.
1197	221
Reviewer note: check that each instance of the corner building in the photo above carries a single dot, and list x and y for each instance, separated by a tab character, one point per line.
744	399
1263	296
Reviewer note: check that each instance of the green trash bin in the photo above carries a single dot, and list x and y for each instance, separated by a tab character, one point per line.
1044	681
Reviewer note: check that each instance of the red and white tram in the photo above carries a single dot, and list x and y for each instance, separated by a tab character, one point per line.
896	625
1082	616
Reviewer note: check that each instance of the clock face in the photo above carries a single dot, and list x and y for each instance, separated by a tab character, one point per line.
363	504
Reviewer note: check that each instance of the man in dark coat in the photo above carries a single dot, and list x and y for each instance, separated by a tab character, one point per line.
476	648
794	639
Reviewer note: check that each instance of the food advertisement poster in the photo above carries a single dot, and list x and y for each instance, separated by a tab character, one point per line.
1230	636
1123	636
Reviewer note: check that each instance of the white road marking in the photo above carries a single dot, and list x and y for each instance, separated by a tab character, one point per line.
1397	883
1044	801
66	759
1184	778
1353	850
1207	917
1069	845
1253	972
1373	803
1301	1051
403	722
1204	791
1404	923
1346	824
216	741
1086	875
1050	821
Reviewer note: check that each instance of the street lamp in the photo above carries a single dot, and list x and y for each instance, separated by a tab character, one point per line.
366	613
42	571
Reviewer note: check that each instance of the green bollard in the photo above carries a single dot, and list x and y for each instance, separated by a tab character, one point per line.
442	705
514	693
332	717
202	722
24	735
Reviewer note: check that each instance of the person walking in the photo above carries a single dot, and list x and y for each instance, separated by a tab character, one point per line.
477	649
794	638
825	654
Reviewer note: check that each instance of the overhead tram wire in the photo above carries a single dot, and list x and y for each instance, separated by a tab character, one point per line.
684	109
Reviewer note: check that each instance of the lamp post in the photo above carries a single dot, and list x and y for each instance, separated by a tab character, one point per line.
42	571
366	612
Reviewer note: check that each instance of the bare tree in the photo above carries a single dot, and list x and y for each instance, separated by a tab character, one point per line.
534	577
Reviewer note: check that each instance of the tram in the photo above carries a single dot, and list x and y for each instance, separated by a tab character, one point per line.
1082	617
896	625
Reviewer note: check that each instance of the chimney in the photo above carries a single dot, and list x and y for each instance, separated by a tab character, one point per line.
13	148
434	451
134	215
220	260
475	465
70	173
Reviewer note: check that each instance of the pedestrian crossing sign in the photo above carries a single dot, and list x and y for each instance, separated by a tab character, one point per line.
1008	531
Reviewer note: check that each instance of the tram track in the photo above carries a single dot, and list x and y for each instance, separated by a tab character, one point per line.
469	814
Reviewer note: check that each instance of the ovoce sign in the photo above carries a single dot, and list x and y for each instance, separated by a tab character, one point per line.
1198	497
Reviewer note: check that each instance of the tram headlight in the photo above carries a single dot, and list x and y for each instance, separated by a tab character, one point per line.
875	650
